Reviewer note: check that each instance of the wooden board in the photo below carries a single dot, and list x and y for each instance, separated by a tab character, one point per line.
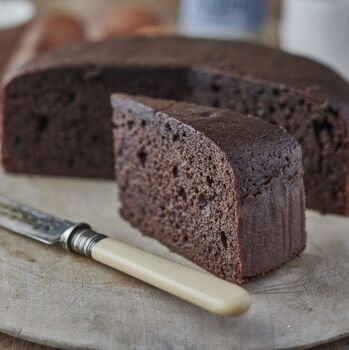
68	301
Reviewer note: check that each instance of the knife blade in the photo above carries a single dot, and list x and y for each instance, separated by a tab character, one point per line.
199	288
30	222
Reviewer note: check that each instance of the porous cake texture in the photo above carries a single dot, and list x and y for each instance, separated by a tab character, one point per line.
56	111
222	189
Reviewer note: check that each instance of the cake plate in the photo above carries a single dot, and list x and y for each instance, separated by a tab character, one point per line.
67	301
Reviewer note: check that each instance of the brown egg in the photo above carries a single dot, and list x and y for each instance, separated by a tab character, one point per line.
125	21
57	30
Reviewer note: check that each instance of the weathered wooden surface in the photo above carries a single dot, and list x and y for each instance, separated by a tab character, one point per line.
11	343
63	300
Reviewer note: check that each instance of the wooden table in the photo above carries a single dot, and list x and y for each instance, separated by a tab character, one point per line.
68	300
11	343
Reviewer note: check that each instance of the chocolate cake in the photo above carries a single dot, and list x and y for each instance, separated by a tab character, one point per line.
57	115
222	189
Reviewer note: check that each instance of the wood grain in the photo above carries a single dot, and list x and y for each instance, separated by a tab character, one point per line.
12	343
69	301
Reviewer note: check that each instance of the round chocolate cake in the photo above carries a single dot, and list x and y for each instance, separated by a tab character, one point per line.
56	118
204	177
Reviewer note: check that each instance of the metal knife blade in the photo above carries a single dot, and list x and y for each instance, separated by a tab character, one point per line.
31	222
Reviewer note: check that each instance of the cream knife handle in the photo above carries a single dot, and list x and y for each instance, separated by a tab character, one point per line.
202	289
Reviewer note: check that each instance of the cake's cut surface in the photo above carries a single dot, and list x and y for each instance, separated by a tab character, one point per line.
221	189
57	116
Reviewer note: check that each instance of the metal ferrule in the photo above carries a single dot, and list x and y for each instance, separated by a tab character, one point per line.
80	239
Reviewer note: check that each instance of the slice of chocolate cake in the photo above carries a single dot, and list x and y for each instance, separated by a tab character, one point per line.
221	189
56	116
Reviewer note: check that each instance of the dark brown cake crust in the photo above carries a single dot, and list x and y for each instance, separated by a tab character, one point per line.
58	104
221	189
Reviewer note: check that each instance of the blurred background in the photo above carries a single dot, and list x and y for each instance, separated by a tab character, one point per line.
315	28
35	27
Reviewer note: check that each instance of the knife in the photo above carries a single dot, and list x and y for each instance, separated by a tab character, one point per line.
199	288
